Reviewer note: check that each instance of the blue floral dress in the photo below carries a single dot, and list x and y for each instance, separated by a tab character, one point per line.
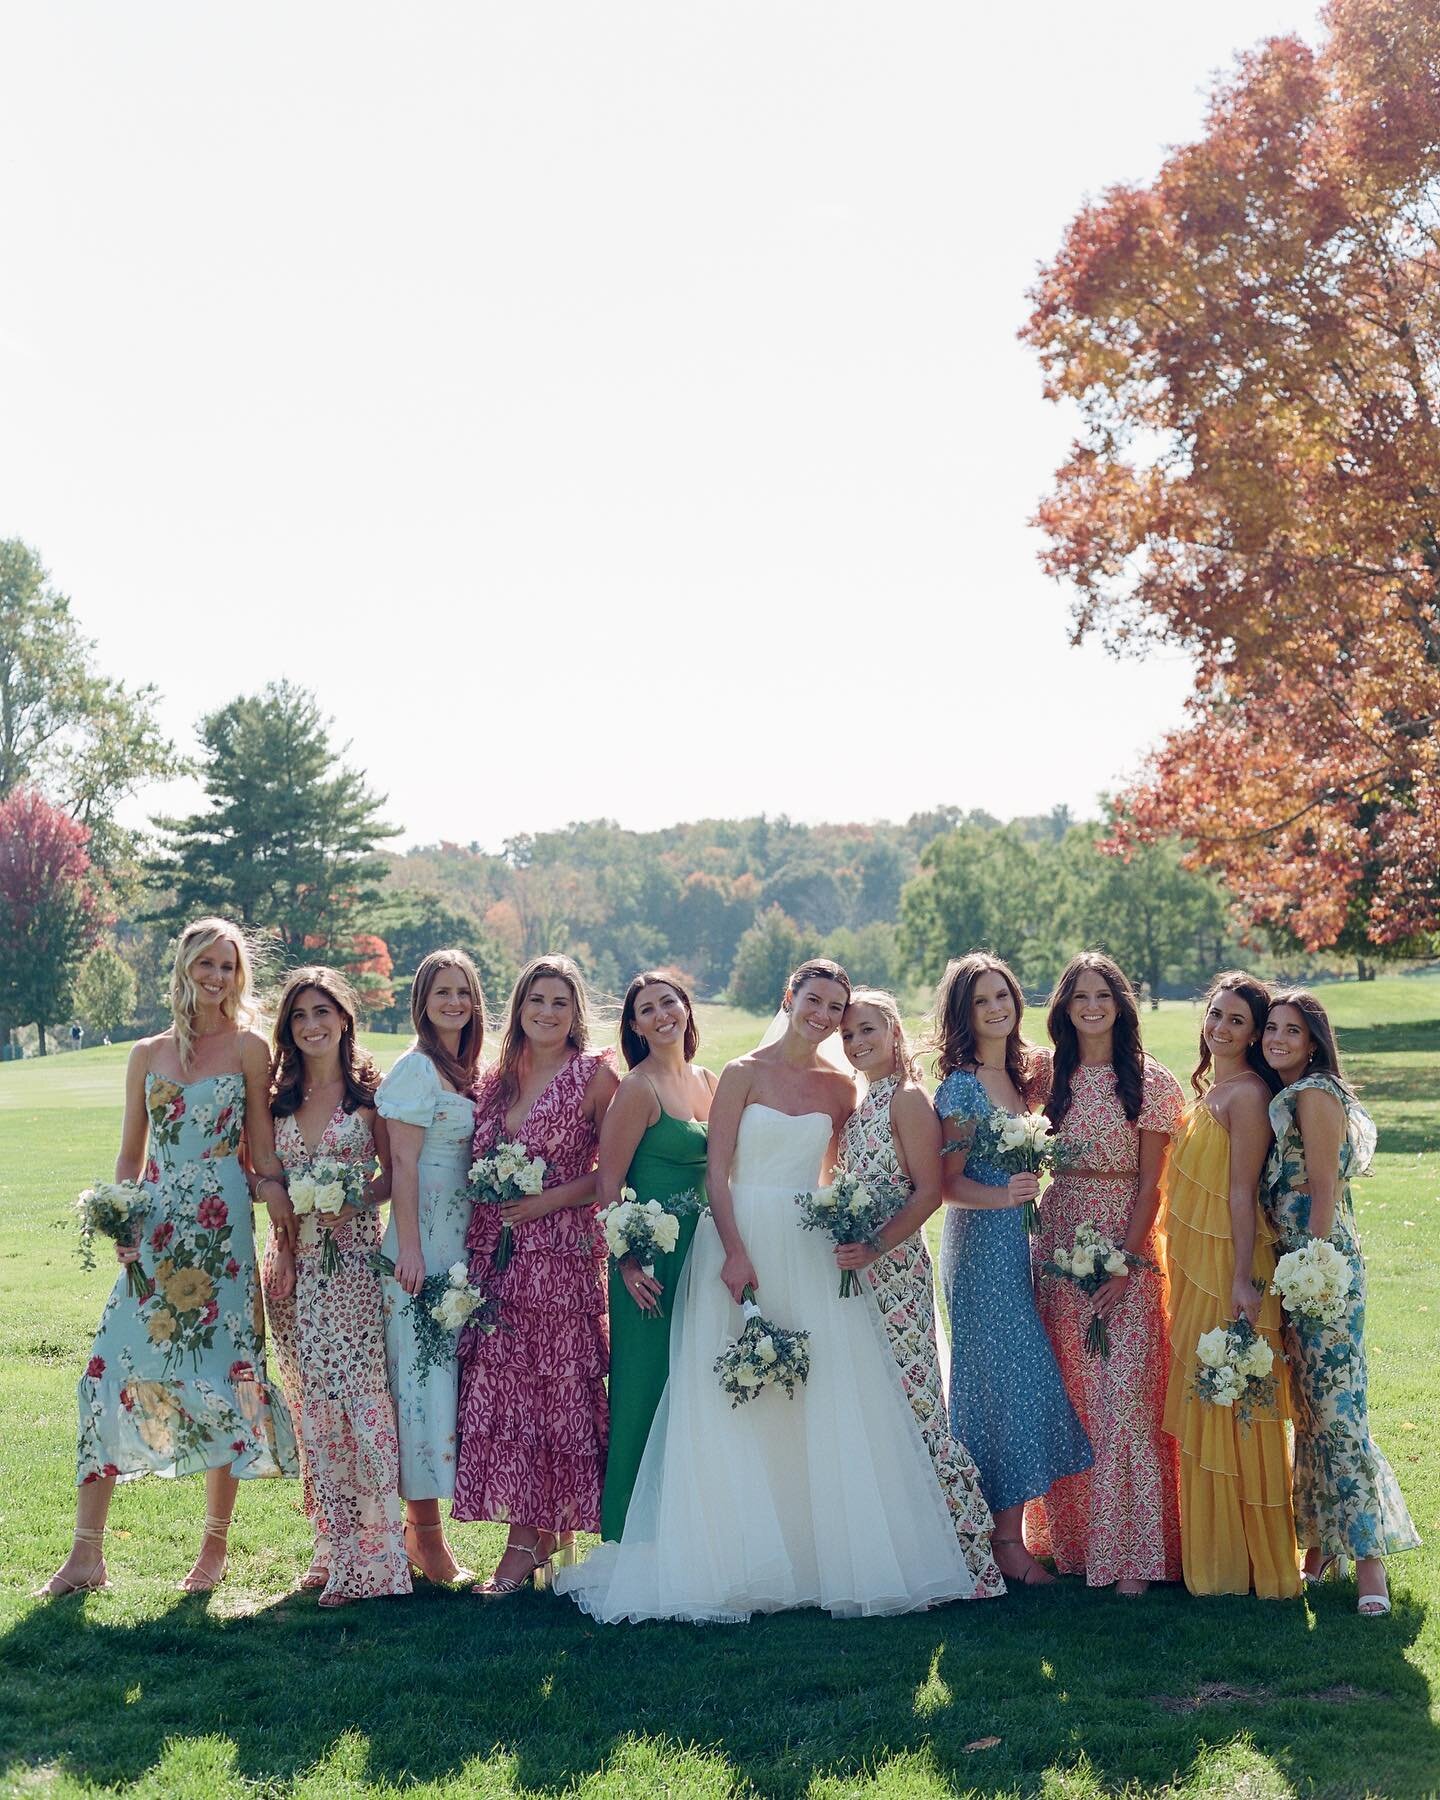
176	1384
1347	1500
1008	1405
425	1398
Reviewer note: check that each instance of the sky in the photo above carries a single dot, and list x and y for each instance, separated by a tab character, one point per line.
607	410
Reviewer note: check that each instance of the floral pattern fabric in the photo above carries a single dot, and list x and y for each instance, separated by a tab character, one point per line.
534	1418
903	1283
177	1384
1347	1500
1119	1521
330	1346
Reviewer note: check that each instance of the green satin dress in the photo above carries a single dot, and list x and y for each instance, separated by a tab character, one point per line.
668	1160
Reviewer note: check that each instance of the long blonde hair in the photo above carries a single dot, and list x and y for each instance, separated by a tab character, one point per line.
906	1065
239	1005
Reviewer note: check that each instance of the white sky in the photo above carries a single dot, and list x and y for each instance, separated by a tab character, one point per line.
608	409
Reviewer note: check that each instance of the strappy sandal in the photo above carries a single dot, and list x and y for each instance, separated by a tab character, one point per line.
1333	1564
197	1582
59	1584
313	1578
461	1573
1034	1575
539	1573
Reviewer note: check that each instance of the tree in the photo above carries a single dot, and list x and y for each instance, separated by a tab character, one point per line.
105	991
1253	341
1162	922
49	912
767	953
289	841
415	922
869	954
983	890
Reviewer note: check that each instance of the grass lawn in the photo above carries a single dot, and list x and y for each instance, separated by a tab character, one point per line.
255	1691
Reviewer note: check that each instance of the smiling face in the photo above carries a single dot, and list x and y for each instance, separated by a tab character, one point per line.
992	1007
1287	1042
547	1013
448	1005
1092	1009
213	971
316	1024
659	1015
817	1007
1228	1027
869	1040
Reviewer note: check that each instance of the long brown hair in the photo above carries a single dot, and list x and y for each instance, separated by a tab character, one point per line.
954	1041
1324	1050
632	1046
512	1046
1256	995
462	1070
1126	1055
287	1070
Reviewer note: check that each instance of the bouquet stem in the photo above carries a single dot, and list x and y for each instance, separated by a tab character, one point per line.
137	1282
849	1284
1029	1217
1097	1338
330	1255
504	1248
659	1312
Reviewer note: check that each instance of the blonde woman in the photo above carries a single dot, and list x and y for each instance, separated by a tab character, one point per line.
176	1384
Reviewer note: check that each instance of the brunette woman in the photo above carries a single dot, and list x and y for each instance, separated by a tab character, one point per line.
329	1327
1114	1110
1237	1530
427	1103
533	1416
652	1141
176	1383
1007	1402
1347	1500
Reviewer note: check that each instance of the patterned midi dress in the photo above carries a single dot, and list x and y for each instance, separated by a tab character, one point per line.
329	1339
903	1283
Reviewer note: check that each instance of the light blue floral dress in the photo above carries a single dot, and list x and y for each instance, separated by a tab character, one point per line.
425	1406
1008	1404
1347	1500
177	1384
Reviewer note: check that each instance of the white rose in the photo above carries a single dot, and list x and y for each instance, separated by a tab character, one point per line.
458	1274
747	1377
330	1198
1258	1360
627	1194
531	1179
667	1232
1115	1263
765	1349
826	1198
1213	1349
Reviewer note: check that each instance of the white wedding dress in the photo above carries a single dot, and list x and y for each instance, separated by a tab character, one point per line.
826	1499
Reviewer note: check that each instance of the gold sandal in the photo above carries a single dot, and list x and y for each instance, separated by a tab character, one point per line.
197	1582
461	1572
539	1573
59	1584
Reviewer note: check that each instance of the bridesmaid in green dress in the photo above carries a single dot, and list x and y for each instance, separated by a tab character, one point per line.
653	1140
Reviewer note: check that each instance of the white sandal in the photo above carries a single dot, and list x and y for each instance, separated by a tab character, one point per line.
196	1582
59	1584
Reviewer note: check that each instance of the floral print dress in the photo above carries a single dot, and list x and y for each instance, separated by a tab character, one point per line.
903	1283
176	1384
1120	1521
330	1345
1347	1500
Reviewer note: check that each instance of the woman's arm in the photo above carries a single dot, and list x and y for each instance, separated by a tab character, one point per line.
1248	1123
731	1093
406	1143
1321	1118
1154	1148
631	1113
134	1132
377	1191
599	1092
916	1131
270	1184
958	1189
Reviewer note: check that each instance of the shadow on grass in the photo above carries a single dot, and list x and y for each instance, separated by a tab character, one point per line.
1139	1692
1386	1040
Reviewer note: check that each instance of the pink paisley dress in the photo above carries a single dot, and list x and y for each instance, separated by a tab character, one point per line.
1120	1519
330	1344
533	1419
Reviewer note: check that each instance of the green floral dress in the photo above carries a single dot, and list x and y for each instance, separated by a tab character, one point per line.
1347	1500
176	1384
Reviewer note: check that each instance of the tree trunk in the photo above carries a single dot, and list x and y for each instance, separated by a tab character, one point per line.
40	1027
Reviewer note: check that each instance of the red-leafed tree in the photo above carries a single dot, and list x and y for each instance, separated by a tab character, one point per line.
49	914
365	959
1253	342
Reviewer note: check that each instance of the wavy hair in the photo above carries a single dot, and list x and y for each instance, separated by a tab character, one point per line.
462	1071
553	967
287	1070
1256	995
953	1037
1325	1051
906	1062
240	1004
1126	1055
632	1046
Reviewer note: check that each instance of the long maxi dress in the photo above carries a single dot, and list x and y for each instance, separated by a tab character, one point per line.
177	1384
903	1283
668	1160
533	1417
1347	1500
330	1345
1008	1404
1237	1528
413	1094
1120	1521
827	1498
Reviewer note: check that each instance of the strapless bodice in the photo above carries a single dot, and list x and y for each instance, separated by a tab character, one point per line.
777	1150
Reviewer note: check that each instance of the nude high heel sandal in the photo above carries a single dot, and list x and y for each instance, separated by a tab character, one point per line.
95	1582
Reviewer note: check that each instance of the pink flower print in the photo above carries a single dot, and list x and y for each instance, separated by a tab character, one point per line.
161	1236
212	1213
127	1399
227	1113
152	1170
238	1446
242	1371
111	1469
95	1368
175	1111
232	1269
211	1313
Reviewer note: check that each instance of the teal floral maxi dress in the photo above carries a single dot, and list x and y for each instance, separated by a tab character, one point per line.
1347	1500
176	1384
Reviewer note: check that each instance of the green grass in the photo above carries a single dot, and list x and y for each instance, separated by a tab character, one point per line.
256	1691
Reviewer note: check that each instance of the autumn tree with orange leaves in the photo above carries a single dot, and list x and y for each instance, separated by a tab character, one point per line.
1253	344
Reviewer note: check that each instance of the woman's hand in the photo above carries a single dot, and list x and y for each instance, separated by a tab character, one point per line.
857	1256
1245	1299
410	1268
333	1221
643	1289
1106	1299
521	1212
280	1273
738	1273
282	1214
127	1253
1023	1187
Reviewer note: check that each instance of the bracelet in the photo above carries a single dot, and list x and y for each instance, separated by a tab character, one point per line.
261	1180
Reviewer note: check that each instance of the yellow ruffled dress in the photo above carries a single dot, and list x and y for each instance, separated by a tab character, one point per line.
1237	1525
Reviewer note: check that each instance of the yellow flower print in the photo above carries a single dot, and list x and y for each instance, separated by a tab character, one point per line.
161	1325
188	1290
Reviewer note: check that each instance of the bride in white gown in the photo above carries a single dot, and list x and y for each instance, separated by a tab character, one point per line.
828	1498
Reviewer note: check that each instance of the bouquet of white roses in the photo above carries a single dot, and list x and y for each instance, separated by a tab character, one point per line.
646	1229
319	1194
440	1311
509	1172
1018	1143
764	1355
1313	1282
1090	1263
851	1212
115	1210
1233	1367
